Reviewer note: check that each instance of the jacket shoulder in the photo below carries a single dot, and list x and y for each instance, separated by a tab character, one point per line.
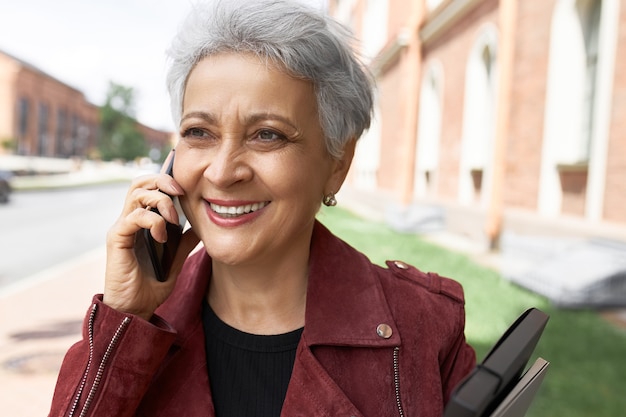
430	281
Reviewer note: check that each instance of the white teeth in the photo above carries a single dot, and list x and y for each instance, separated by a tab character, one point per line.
232	211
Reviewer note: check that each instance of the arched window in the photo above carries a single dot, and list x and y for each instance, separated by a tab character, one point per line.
570	104
367	154
572	79
428	133
478	120
589	11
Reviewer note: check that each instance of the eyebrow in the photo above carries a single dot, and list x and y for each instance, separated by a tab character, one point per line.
253	118
200	115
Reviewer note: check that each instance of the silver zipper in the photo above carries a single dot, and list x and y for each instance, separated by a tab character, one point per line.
92	316
396	378
103	363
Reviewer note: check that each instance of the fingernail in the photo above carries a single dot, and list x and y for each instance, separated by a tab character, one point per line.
175	189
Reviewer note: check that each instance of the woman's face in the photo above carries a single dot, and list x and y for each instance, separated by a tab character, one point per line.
252	159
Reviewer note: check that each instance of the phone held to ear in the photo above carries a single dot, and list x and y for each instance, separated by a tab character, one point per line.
162	254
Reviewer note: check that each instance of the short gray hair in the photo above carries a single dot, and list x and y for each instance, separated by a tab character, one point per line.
303	40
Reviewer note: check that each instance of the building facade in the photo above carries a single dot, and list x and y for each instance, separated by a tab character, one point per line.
507	114
42	116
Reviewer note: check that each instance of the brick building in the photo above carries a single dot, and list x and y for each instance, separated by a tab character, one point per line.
503	114
42	116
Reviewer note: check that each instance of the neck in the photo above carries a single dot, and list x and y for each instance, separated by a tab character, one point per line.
261	299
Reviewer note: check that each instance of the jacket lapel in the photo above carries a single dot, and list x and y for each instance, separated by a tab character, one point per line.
312	392
345	307
184	384
345	301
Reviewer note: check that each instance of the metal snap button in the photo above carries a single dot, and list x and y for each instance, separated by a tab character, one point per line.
384	330
401	265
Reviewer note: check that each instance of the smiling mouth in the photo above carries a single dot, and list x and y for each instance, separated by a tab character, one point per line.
236	211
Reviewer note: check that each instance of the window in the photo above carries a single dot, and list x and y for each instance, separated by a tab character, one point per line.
75	141
367	155
478	120
590	19
42	134
61	145
22	117
570	111
572	80
428	133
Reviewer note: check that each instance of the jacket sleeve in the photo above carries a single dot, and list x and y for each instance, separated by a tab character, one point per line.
459	362
109	370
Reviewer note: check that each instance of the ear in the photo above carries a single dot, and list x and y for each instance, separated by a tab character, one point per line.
341	167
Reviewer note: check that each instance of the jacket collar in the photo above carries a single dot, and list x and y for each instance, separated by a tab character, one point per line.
345	300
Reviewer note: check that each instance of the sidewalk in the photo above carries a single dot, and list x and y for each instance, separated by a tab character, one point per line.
40	318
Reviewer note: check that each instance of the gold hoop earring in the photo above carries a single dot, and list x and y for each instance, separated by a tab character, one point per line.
330	200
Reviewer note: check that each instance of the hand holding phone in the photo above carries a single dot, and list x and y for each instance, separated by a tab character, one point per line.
136	262
162	254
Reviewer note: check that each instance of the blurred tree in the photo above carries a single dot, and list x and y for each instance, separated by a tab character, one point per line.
120	138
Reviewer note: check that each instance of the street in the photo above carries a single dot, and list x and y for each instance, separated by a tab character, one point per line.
41	229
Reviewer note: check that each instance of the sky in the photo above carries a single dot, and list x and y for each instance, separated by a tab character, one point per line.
87	43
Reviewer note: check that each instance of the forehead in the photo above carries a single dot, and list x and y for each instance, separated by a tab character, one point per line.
235	87
248	77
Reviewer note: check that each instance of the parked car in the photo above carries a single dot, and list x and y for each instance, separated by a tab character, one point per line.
5	186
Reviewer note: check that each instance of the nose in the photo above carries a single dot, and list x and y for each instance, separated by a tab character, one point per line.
228	164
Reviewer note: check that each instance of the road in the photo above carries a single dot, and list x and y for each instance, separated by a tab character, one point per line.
40	229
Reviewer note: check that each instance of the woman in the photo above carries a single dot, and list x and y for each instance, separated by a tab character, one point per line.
274	315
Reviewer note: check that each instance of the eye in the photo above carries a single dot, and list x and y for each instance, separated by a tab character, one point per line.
269	135
194	132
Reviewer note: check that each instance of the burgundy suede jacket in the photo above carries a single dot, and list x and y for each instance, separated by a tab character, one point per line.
376	342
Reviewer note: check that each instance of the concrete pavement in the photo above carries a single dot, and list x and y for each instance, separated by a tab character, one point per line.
41	316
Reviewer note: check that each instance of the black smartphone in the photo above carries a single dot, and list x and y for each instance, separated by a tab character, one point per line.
162	254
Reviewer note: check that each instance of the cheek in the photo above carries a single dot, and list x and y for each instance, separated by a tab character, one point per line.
303	179
187	170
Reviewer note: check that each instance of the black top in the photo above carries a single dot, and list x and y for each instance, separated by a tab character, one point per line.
248	373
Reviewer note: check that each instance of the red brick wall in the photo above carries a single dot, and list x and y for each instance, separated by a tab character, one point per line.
452	51
391	151
524	141
523	148
39	89
7	103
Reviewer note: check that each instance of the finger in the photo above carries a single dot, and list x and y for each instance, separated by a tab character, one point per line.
148	219
159	182
152	199
123	232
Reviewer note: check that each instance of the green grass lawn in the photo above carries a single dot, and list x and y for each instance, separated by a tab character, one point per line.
587	355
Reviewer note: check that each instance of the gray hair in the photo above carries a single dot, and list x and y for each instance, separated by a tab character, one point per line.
304	41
